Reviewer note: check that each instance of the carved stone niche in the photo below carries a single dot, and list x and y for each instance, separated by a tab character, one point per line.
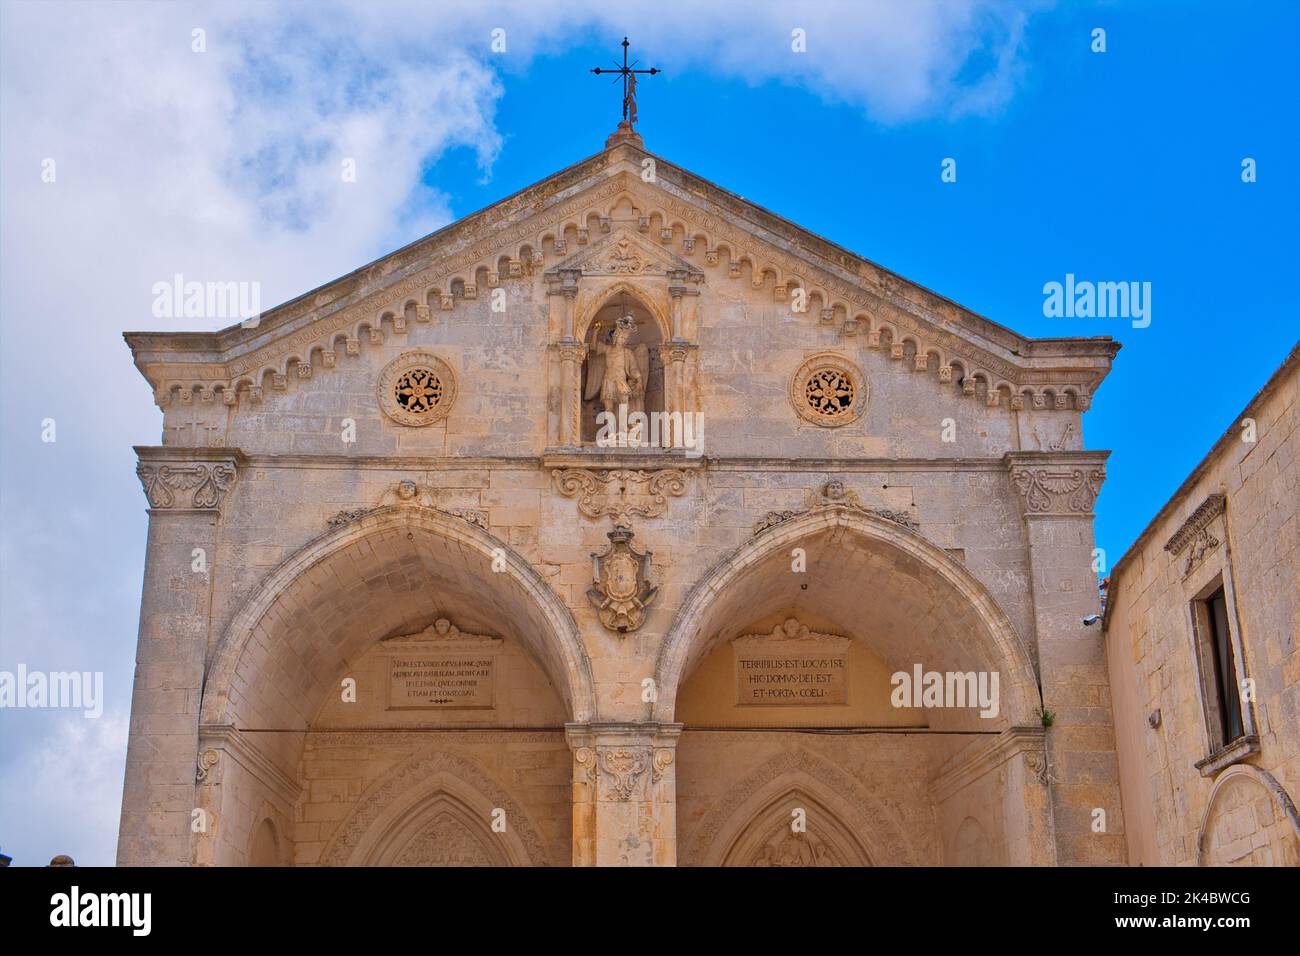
621	589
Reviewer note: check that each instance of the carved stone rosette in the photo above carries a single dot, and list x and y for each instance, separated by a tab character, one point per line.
620	493
1056	484
192	481
621	590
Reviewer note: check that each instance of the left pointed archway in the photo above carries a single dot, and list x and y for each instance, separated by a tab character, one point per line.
271	718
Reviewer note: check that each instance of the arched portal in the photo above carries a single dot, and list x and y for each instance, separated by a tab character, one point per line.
307	698
798	639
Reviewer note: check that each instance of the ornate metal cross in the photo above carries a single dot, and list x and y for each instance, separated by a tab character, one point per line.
629	75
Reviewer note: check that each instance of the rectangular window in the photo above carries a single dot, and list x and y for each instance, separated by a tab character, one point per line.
1227	696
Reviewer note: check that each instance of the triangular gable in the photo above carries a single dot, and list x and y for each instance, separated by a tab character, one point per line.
566	221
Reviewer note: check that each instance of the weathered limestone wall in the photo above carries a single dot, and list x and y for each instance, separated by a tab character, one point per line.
1239	808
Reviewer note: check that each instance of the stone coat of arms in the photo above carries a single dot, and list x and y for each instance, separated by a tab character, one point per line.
621	589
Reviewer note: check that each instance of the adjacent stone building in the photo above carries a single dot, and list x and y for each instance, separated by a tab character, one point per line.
1202	620
409	600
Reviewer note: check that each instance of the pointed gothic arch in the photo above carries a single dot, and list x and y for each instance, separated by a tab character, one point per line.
720	603
258	635
845	825
436	808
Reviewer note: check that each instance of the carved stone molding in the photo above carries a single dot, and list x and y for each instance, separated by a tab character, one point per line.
663	759
834	494
621	588
621	493
1195	535
622	767
1048	484
585	758
440	633
207	760
190	481
405	493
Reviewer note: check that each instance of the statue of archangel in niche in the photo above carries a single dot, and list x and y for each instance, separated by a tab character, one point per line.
618	373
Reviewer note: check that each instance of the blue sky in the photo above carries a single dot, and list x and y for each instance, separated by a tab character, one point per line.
223	164
1117	166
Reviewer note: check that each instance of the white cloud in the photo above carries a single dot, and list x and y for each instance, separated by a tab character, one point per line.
226	165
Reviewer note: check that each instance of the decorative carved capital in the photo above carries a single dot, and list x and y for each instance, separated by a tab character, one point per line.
571	350
623	767
662	760
585	758
194	479
1053	484
207	760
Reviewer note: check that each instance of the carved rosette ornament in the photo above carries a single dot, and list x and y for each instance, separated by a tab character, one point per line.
621	493
621	589
417	388
186	486
828	390
1062	485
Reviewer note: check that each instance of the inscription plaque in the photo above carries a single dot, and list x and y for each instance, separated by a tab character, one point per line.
450	681
792	666
441	668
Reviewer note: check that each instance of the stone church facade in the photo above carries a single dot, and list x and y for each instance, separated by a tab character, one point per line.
404	605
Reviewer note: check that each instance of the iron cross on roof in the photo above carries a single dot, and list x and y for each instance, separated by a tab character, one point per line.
628	74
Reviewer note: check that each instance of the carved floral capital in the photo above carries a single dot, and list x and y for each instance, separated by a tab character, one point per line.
623	767
186	483
1057	484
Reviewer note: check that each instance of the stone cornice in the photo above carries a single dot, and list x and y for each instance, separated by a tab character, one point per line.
599	459
1057	484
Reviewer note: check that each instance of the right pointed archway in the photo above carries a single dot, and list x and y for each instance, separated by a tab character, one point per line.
852	579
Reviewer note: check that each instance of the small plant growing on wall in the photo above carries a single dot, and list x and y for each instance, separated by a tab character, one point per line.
1047	717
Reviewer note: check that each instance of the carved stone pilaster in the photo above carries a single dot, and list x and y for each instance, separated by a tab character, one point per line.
624	777
571	353
187	479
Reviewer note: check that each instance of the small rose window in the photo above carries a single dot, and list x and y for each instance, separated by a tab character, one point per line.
417	388
418	391
828	390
